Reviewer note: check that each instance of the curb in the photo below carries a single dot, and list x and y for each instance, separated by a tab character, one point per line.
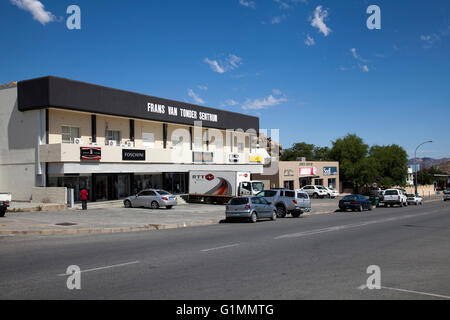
107	230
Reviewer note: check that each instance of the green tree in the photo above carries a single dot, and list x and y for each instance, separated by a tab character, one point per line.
321	154
426	176
350	151
391	164
298	150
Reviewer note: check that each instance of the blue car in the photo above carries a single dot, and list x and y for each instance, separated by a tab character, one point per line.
355	202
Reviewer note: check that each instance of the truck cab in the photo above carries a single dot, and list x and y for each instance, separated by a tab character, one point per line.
250	188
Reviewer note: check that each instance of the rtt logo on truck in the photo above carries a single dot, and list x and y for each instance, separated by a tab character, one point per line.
208	177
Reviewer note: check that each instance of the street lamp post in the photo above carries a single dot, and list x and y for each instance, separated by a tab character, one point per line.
415	157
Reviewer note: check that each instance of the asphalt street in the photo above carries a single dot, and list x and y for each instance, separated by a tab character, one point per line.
313	257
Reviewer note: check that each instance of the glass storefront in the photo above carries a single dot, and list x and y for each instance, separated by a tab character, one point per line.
116	186
73	182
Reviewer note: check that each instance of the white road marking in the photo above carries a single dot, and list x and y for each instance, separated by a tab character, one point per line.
350	226
362	287
102	268
223	247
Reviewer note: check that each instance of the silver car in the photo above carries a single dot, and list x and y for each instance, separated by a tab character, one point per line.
252	208
153	198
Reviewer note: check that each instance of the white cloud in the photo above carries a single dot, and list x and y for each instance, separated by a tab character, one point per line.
194	96
364	68
248	4
356	56
229	103
318	21
214	65
276	20
36	8
309	41
230	63
204	88
430	40
283	5
258	104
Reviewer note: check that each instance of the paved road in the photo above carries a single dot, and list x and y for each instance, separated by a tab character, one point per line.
314	257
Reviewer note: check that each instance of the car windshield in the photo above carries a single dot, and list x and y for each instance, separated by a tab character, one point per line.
162	192
353	197
391	193
410	195
258	186
321	187
267	193
238	201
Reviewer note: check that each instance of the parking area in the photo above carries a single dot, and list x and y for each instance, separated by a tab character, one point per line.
113	217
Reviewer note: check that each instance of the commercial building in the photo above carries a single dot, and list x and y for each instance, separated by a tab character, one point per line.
297	174
58	132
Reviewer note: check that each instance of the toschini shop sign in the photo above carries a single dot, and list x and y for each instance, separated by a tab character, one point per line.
133	155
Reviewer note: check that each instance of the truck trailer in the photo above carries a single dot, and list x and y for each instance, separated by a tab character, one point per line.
221	186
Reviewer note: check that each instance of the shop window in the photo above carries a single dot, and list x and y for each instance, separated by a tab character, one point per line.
148	140
332	183
240	146
69	134
318	182
289	184
177	142
113	135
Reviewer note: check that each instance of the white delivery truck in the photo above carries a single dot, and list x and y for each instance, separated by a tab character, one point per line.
221	186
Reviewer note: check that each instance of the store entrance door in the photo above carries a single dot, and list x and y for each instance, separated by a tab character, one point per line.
113	186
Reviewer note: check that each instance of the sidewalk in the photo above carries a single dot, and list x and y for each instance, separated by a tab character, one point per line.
111	216
109	219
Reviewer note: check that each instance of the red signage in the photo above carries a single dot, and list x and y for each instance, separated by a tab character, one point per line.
90	153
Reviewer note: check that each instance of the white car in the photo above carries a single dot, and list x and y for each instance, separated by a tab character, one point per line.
446	195
332	193
395	197
315	191
412	199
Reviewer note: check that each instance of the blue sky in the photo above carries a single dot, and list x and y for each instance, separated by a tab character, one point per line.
310	68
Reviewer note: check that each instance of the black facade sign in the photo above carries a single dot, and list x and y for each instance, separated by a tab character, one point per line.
60	93
133	155
90	153
202	156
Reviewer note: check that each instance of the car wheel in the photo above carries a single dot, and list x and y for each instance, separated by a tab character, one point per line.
253	217
154	205
169	207
315	196
281	212
370	207
128	204
296	214
274	216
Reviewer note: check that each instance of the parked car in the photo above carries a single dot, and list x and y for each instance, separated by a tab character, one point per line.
303	203
355	202
331	192
413	199
446	195
153	198
252	208
395	197
315	192
284	201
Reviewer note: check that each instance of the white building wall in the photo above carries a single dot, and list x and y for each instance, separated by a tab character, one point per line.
18	140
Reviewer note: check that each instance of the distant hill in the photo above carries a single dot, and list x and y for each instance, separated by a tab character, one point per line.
426	163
